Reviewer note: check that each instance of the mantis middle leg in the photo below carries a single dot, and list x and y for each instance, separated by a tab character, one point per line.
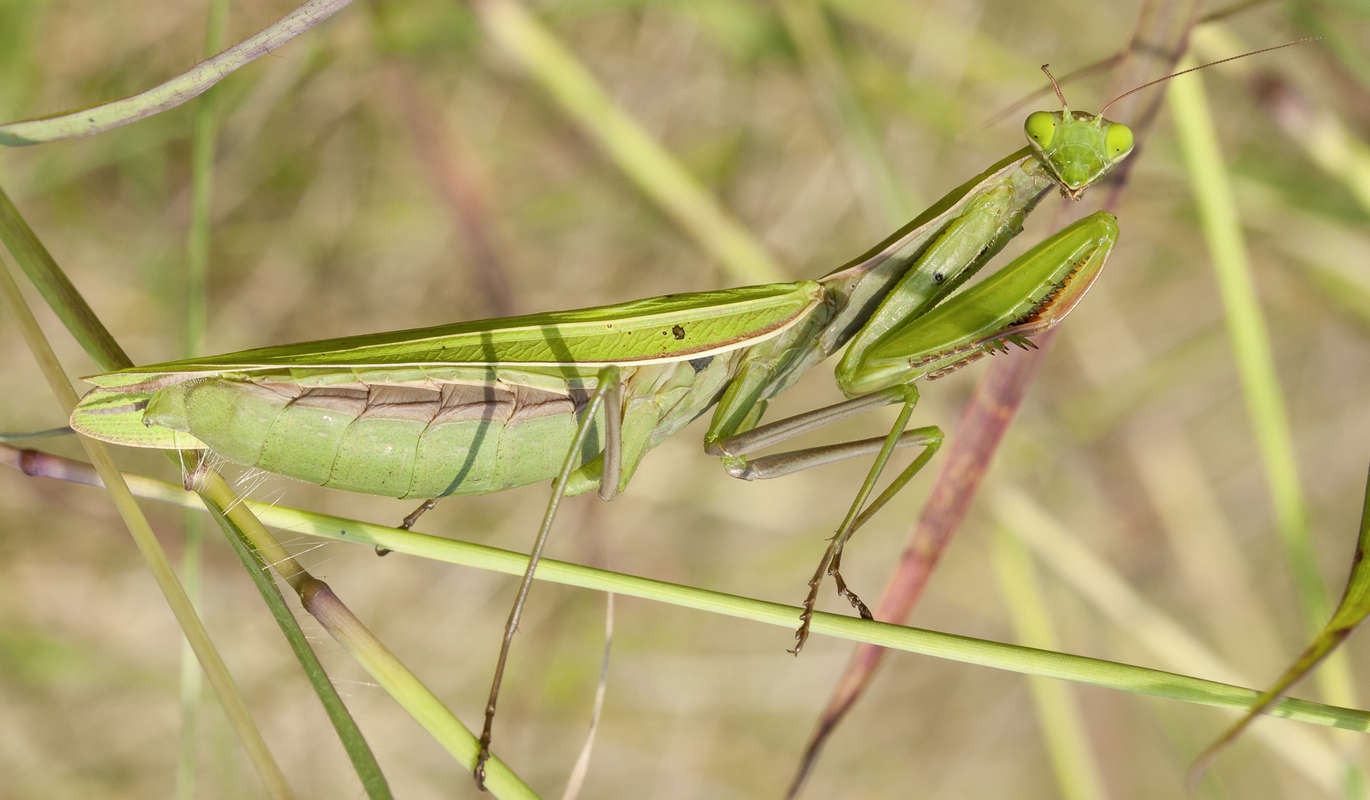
735	449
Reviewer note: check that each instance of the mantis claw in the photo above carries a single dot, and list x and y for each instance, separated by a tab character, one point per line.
800	636
843	591
482	756
806	616
408	522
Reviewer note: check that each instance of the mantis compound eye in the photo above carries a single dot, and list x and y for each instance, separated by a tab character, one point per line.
1041	127
1118	141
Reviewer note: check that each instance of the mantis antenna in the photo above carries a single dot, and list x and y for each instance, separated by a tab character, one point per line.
1191	69
1054	84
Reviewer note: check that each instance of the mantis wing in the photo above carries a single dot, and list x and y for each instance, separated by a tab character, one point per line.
549	350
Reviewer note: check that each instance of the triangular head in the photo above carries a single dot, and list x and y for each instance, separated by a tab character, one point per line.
1076	146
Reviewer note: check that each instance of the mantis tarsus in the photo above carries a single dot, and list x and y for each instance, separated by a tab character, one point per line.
580	396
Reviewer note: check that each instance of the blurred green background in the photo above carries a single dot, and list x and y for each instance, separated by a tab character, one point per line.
397	167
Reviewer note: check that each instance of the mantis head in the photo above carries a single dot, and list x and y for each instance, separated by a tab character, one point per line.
1078	148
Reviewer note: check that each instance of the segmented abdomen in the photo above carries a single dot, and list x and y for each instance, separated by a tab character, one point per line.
398	441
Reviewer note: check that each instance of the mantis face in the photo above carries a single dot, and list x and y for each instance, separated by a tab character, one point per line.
1078	148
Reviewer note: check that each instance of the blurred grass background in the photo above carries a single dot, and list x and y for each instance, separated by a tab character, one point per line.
395	168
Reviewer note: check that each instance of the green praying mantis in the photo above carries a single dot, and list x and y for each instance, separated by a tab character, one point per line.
579	397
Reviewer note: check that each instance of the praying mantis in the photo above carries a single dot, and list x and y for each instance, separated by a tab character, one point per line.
482	406
579	397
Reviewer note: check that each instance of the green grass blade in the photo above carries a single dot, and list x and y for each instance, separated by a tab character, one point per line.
916	27
851	126
1254	361
86	327
203	141
1067	739
71	308
1097	583
344	626
225	687
641	157
1327	256
1025	660
406	688
14	438
191	687
1354	606
963	649
203	135
81	321
358	751
1325	139
172	93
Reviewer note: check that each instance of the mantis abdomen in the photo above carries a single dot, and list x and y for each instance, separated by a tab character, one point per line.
425	438
399	441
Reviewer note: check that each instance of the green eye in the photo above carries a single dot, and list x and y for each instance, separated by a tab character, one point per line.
1041	127
1118	140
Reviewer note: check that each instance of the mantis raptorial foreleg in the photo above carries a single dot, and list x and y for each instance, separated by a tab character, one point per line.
1027	297
608	385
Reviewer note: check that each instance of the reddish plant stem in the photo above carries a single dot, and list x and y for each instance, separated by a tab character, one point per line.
991	409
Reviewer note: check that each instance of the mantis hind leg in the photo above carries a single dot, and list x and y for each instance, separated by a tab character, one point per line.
409	520
608	386
425	506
